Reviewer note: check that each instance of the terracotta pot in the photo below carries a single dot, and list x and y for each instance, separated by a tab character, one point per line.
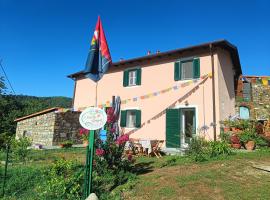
236	146
267	133
226	129
85	143
250	145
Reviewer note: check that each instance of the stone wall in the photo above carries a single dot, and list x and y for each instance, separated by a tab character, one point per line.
259	102
39	128
67	127
51	128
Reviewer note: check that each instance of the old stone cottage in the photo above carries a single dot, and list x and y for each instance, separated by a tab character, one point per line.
50	127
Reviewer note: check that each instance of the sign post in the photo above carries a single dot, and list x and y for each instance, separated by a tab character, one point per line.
92	119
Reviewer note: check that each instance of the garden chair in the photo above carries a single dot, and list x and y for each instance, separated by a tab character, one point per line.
156	149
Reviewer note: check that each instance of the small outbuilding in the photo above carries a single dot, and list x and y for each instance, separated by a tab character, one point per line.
50	127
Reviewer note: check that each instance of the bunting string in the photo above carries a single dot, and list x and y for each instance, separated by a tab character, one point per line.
162	112
154	94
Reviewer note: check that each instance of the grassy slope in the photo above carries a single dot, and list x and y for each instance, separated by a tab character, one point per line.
230	178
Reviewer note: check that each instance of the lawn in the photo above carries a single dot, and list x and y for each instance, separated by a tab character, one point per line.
226	178
171	177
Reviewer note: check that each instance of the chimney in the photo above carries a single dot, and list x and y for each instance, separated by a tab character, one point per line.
148	52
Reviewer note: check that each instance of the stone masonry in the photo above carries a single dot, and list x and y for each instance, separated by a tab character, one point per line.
259	102
50	127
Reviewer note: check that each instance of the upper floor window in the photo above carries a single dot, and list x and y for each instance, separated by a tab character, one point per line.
187	69
132	77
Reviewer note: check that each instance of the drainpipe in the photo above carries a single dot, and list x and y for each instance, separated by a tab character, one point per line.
74	91
213	93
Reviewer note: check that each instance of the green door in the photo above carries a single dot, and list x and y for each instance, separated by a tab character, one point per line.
173	127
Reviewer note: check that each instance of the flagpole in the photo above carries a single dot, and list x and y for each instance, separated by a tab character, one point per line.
96	94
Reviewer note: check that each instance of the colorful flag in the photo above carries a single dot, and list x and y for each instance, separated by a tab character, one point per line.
99	58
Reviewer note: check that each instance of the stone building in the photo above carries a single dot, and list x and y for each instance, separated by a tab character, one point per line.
253	97
50	127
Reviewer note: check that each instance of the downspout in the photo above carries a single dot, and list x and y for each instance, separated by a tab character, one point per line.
73	99
213	93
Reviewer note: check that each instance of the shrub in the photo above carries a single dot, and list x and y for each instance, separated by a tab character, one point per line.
67	144
202	150
226	137
63	180
198	149
219	148
20	150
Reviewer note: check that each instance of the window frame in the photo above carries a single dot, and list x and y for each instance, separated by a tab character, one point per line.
128	114
135	71
192	69
178	71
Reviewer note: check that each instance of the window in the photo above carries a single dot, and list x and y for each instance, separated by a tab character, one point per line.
130	118
132	77
244	112
187	69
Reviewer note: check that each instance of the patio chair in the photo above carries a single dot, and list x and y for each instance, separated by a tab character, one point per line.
156	149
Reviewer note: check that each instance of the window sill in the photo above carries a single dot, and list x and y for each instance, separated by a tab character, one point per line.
132	86
186	80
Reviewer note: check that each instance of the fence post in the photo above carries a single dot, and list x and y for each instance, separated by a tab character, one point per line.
5	173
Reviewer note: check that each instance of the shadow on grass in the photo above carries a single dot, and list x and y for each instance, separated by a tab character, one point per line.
143	168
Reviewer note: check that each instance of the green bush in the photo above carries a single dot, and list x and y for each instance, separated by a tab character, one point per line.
67	144
202	150
218	148
226	137
63	180
198	149
251	135
20	150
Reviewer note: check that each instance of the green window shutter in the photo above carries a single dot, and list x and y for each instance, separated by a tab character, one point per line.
139	76
125	78
173	128
177	71
123	120
138	118
196	68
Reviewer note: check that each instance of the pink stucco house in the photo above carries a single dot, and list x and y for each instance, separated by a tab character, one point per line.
169	95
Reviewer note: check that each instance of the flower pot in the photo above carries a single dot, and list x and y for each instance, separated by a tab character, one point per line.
85	143
250	145
236	146
226	129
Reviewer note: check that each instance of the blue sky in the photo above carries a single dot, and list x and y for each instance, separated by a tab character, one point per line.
42	41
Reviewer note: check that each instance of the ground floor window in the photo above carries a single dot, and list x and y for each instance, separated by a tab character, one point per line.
130	118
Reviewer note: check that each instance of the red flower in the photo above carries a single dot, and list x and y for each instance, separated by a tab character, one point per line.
122	139
111	118
100	152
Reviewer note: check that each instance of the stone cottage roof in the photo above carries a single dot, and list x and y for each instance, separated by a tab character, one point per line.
205	47
38	113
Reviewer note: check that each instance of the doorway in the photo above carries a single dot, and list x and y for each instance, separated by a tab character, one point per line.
188	125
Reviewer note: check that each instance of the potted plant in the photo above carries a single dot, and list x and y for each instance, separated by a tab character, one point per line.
248	139
235	141
66	144
225	125
84	134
